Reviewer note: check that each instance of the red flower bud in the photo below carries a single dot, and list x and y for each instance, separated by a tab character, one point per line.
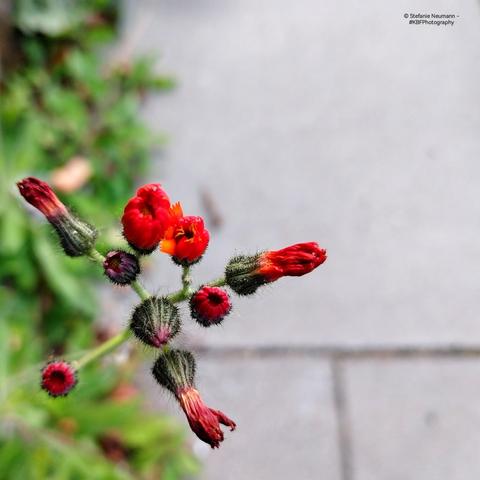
121	267
293	261
203	420
210	305
76	236
146	217
244	274
58	378
186	239
175	370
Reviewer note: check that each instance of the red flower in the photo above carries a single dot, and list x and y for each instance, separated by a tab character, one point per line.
186	239
204	421
293	261
146	217
58	378
209	305
41	196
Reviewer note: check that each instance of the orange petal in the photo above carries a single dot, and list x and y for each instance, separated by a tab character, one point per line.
176	210
167	246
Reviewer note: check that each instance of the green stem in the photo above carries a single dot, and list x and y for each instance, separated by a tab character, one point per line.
103	349
96	256
186	278
219	282
140	290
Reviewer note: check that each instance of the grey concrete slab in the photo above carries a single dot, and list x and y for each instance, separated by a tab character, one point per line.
333	121
286	424
415	420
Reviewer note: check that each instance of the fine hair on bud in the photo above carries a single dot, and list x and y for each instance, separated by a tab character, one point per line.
155	321
175	370
77	237
241	274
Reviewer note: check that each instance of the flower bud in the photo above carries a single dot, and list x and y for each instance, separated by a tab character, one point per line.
210	305
58	378
244	274
76	236
186	239
175	371
121	267
146	217
155	321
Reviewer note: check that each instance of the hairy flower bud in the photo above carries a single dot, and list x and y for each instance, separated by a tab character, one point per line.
175	371
58	378
210	305
244	274
146	217
186	239
121	267
76	236
155	321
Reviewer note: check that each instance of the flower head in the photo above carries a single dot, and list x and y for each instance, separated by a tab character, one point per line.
175	371
76	236
146	217
203	420
186	239
244	274
155	321
210	305
121	267
58	378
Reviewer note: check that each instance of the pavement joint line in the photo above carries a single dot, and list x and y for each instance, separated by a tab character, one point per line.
341	352
344	434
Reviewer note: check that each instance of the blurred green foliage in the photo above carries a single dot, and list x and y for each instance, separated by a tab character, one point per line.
61	98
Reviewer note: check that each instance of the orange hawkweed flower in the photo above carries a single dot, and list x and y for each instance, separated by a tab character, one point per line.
186	239
146	217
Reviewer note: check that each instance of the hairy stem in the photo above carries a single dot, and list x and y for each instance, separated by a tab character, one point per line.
103	349
140	290
219	282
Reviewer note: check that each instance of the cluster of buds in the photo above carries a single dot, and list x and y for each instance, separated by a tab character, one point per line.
151	222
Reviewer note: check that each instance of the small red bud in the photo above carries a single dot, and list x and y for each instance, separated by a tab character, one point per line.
58	378
210	305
